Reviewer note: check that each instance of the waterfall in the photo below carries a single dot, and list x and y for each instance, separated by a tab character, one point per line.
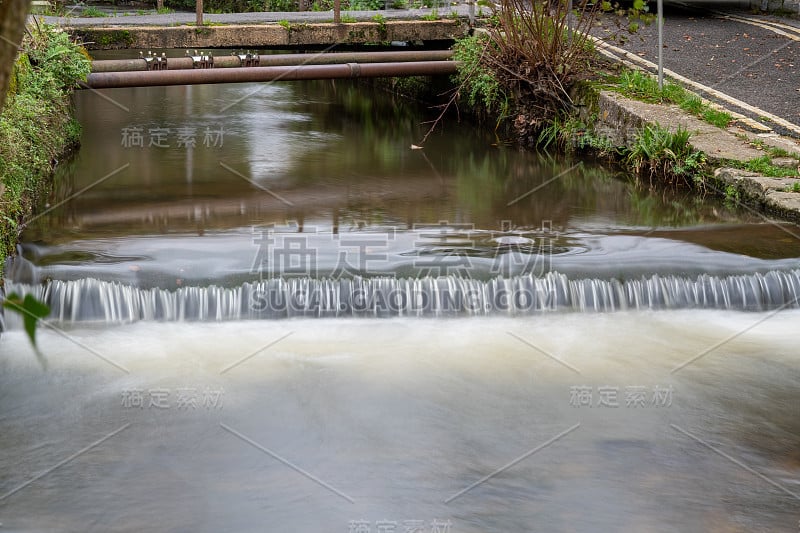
92	300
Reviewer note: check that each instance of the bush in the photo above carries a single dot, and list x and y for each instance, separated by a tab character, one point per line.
478	83
539	51
660	152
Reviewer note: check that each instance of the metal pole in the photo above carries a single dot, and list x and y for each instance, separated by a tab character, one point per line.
472	13
109	80
199	11
661	44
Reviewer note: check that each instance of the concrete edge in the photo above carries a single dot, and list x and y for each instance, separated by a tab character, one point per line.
619	119
267	35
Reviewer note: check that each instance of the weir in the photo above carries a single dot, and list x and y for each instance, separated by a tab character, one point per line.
93	300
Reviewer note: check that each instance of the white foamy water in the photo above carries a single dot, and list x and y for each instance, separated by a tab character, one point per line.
322	425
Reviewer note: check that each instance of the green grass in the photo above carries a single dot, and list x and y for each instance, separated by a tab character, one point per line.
93	12
718	118
568	132
641	86
763	165
772	151
285	24
165	10
732	196
658	151
347	18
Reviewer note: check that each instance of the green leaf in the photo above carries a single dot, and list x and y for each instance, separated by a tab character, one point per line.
31	310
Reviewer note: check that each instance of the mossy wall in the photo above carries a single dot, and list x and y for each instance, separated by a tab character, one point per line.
36	125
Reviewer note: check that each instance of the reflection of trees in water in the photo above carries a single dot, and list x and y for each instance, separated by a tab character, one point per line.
377	129
341	136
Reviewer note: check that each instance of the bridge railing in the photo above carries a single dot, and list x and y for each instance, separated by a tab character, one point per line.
438	6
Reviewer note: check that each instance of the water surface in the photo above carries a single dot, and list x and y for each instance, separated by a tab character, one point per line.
676	411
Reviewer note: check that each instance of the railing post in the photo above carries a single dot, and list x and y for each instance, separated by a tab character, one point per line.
199	10
337	11
660	15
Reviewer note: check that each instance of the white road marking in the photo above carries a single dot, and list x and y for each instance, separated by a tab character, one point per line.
794	128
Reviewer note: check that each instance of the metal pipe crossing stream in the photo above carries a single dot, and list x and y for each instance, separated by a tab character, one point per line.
153	62
202	69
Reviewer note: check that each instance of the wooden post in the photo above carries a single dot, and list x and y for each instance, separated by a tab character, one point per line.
337	11
159	5
199	9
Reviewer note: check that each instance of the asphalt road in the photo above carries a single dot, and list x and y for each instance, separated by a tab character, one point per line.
748	62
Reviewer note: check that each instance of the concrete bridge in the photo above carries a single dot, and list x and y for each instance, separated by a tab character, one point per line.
268	30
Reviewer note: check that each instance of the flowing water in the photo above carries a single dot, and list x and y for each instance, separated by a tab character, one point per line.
269	313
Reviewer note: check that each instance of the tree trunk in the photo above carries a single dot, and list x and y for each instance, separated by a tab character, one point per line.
13	14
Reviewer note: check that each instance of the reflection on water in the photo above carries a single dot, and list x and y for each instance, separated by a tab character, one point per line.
334	157
636	420
237	168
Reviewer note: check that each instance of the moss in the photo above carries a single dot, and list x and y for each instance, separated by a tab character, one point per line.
356	35
107	38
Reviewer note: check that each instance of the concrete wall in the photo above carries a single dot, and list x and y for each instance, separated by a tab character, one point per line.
268	35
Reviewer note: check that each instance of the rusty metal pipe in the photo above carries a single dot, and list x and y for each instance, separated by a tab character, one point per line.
109	80
275	60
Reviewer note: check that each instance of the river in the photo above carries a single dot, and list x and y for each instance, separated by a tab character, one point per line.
270	313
